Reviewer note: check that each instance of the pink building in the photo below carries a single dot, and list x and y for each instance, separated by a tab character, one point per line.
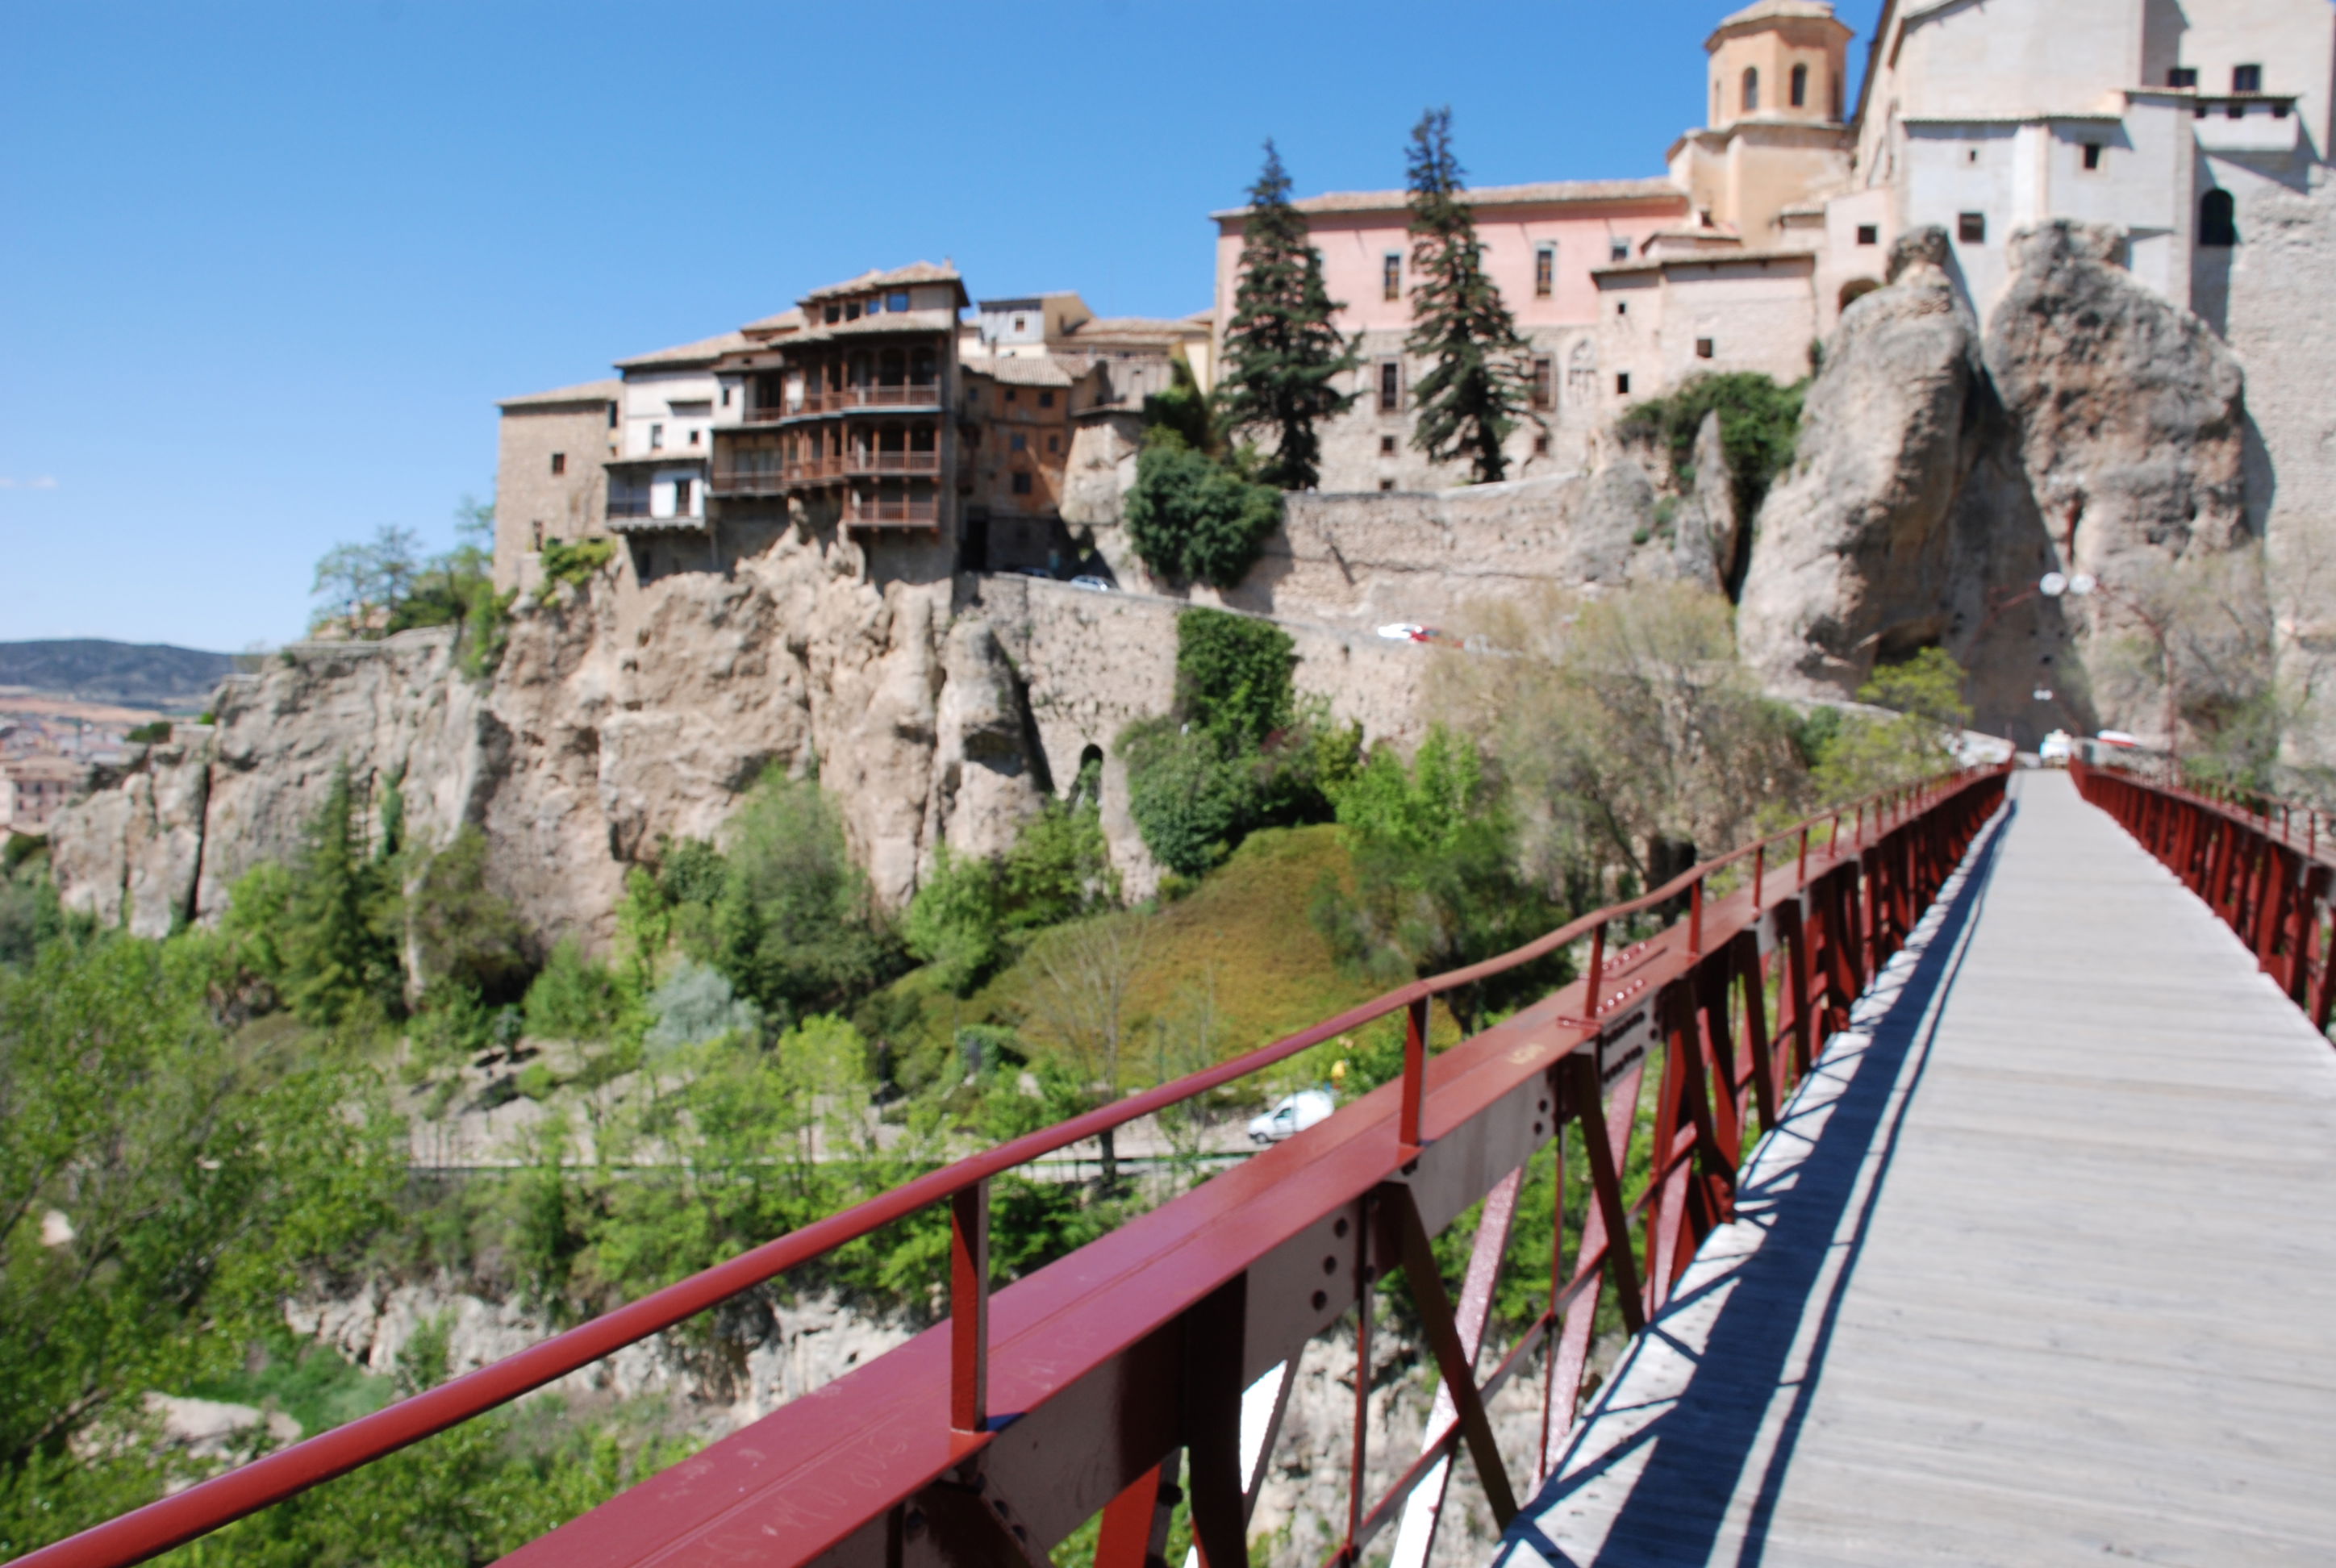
1544	246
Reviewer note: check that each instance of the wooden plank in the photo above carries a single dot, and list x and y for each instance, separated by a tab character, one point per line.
2030	1273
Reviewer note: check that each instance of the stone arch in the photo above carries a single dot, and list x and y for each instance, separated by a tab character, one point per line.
1857	288
2218	219
1086	786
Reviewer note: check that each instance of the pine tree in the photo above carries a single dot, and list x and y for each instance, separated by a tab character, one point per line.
1470	401
1282	356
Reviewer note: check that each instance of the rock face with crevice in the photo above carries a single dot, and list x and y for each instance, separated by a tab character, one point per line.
1943	470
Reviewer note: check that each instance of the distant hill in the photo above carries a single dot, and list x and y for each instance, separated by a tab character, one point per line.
134	674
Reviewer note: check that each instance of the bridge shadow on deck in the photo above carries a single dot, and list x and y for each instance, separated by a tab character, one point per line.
1699	1445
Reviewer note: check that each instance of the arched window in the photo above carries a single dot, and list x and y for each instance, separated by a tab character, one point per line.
1800	86
2218	219
1751	90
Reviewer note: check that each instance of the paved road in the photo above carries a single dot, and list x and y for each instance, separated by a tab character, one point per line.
2040	1270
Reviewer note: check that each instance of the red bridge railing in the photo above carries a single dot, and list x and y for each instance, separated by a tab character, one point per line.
1080	1389
2264	865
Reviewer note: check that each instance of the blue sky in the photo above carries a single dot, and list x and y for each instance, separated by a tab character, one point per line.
266	268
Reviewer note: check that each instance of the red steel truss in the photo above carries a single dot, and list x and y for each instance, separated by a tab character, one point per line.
2263	865
1092	1385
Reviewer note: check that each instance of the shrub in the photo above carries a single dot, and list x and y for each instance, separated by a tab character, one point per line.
1194	520
1865	754
573	998
795	927
566	564
323	932
953	923
463	932
696	1005
153	733
1759	425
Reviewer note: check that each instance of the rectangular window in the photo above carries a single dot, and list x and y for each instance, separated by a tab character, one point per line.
612	416
2246	78
1869	234
1053	443
1971	228
1391	275
1387	484
1617	249
1021	484
2235	111
1045	400
1544	382
2092	155
681	495
1545	270
1017	442
1390	386
657	438
2182	76
1387	446
1622	307
1622	383
1541	445
1009	393
899	301
726	397
695	436
559	464
1703	348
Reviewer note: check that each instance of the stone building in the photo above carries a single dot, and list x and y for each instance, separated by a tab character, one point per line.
550	473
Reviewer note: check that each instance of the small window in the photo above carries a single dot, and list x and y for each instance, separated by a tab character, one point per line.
657	438
1045	400
1703	218
1545	270
1017	442
559	464
1619	248
612	416
2246	78
2092	155
2218	219
1387	484
2182	76
834	314
2279	110
1703	348
696	436
1544	382
1053	443
1387	446
851	310
1021	484
1972	155
1869	234
897	301
2235	110
1622	307
1010	392
1971	228
1622	383
1751	90
1019	321
1541	445
1390	386
1391	275
682	489
1800	86
726	397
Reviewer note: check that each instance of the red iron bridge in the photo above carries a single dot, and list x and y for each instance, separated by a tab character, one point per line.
2028	1261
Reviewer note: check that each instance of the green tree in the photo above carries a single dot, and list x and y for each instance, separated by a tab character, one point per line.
161	1189
795	926
573	998
1866	753
324	931
464	932
363	585
1470	399
1759	426
1194	520
1282	356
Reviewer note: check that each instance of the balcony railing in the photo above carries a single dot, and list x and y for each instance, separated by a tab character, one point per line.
773	479
843	399
769	481
892	511
924	462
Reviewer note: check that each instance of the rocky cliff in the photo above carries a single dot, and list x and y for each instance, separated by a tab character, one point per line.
1944	468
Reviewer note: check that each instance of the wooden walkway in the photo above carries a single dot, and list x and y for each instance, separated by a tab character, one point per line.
2041	1268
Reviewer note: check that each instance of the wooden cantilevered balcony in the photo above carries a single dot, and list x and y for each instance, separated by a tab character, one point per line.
892	511
775	479
846	399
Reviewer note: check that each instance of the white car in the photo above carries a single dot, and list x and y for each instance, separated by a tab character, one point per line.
1403	631
1292	1113
1092	584
2058	748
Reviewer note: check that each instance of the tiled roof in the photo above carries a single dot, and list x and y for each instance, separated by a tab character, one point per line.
899	277
1701	258
887	321
1031	369
1170	329
704	351
1775	10
790	320
582	391
1545	193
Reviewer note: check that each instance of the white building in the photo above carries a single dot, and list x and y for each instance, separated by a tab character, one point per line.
664	436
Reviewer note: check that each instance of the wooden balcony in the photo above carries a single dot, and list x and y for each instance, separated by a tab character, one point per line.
767	480
892	511
847	399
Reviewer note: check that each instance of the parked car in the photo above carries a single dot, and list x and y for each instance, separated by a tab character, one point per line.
1291	1114
1406	631
1092	584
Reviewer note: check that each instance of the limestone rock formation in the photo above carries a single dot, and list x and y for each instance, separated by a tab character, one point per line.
1940	474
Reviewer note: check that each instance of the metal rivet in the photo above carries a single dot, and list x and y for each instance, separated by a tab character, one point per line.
1536	1129
1321	1300
1340	1229
1329	1265
915	1523
1543	1107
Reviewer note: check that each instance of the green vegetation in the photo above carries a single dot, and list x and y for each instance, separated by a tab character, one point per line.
572	565
153	733
384	587
1194	519
1855	755
1475	392
1237	752
971	914
1759	425
1282	356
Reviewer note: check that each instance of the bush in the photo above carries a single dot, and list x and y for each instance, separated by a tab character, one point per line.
1237	752
572	999
153	733
1759	425
795	927
696	1005
575	565
323	932
1194	520
1865	754
464	932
